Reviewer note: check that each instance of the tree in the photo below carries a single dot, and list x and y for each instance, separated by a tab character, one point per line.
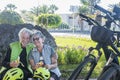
83	9
44	9
10	7
35	10
89	4
9	16
53	8
50	20
27	16
30	16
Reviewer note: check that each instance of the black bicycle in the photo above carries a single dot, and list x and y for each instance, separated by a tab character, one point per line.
111	70
105	39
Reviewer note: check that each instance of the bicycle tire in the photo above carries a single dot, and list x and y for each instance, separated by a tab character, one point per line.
110	74
80	67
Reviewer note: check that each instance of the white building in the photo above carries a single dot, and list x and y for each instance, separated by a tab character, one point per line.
74	21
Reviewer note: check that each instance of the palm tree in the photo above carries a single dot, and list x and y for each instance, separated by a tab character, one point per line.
35	11
53	8
10	7
44	9
89	4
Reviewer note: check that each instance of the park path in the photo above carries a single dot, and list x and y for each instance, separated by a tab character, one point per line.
70	34
80	79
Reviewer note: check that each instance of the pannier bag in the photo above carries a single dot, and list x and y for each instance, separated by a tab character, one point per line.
101	35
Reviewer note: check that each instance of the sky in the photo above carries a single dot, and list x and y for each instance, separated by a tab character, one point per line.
63	5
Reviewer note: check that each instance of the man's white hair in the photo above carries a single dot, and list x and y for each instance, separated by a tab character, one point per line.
24	30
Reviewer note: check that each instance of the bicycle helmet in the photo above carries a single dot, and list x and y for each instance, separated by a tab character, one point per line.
14	74
42	73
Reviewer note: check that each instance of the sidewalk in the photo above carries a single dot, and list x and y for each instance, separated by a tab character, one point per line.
70	34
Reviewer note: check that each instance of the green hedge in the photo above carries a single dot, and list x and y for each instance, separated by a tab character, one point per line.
70	55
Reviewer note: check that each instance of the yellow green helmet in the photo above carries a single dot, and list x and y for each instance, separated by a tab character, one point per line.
42	73
14	74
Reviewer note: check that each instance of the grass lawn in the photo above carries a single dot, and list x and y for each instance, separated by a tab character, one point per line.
72	41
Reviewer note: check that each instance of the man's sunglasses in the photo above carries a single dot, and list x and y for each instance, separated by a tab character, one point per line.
35	39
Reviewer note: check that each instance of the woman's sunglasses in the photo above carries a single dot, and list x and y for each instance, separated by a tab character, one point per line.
35	39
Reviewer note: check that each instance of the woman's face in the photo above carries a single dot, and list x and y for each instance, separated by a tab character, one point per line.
38	41
24	39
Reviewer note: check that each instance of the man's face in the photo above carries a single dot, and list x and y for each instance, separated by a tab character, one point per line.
24	39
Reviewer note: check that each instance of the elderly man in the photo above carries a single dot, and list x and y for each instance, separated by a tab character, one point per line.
17	54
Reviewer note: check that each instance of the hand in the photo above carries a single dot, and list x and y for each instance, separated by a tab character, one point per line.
14	64
41	64
38	65
48	66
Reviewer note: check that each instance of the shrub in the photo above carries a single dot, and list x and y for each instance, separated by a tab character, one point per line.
61	56
63	26
70	55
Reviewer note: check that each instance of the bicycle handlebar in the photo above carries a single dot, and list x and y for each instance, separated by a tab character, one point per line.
102	9
93	22
108	13
115	14
90	20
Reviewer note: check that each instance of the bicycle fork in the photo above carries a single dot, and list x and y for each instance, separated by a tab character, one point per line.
96	59
110	60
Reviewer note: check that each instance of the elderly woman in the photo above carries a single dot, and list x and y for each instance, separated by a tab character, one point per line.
44	56
19	50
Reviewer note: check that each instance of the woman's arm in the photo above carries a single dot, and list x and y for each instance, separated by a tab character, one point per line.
32	64
53	62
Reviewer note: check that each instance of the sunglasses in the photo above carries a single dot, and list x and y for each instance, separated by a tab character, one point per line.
35	39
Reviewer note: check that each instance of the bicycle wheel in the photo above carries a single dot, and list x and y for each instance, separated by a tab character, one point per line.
110	74
83	69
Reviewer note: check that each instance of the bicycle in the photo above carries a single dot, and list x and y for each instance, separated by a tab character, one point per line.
112	69
90	61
